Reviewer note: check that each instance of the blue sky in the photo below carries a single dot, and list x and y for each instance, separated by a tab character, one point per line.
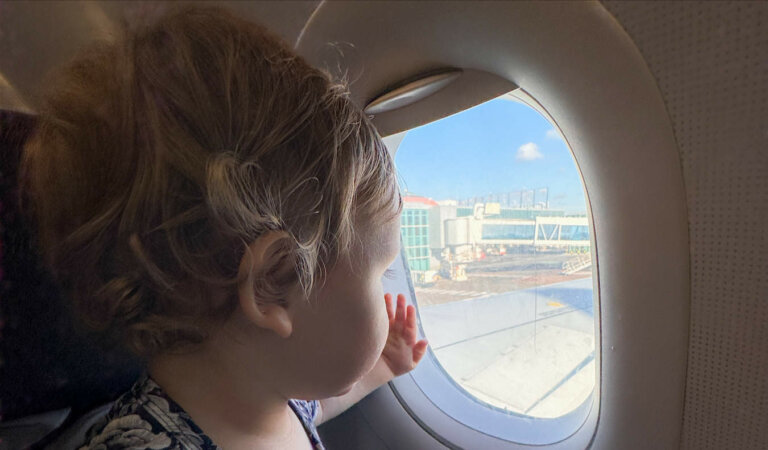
496	147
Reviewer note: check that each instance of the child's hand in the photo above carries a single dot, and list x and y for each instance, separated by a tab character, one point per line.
402	353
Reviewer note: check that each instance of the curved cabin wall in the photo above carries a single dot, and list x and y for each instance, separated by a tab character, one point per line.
588	75
710	60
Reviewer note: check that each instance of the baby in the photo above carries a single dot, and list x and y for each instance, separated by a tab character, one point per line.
221	208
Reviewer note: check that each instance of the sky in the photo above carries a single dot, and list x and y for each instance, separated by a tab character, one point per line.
499	146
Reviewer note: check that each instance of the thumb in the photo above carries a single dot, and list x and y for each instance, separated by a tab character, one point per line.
419	350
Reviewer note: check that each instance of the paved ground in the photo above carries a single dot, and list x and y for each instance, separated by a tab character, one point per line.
530	351
500	274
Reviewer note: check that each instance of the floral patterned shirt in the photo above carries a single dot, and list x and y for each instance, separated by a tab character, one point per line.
145	417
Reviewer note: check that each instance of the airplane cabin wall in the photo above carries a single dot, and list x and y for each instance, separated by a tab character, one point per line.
710	60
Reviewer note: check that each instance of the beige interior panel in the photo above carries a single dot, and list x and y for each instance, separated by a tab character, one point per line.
665	105
588	75
711	63
37	36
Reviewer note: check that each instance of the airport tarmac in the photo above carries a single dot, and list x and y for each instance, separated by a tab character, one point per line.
499	275
529	351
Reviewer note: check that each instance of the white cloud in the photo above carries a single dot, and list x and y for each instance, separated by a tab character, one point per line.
528	152
552	134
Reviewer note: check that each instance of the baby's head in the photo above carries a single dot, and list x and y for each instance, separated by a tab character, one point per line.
195	172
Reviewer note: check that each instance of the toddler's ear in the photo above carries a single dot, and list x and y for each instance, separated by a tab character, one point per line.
267	277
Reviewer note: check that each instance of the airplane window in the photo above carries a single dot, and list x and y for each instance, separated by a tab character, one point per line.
496	234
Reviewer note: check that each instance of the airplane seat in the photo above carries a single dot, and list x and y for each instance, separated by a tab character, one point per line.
51	372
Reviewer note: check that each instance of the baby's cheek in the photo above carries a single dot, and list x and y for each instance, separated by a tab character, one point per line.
381	326
374	325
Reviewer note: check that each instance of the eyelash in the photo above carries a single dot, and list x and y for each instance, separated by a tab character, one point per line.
390	273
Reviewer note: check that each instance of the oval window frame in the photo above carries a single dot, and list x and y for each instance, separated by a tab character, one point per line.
430	381
579	63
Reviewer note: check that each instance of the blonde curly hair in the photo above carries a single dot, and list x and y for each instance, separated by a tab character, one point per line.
161	154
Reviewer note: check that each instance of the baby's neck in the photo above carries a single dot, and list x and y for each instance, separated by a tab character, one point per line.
228	402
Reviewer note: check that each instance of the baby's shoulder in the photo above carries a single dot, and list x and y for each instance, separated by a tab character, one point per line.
144	417
129	431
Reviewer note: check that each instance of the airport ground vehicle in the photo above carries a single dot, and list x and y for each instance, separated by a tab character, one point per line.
663	105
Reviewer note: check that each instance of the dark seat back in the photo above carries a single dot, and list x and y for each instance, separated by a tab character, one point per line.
46	362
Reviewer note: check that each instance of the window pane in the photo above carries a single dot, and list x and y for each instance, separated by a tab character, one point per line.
497	238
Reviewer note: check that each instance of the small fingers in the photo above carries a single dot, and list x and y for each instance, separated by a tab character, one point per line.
410	317
410	325
400	311
388	301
